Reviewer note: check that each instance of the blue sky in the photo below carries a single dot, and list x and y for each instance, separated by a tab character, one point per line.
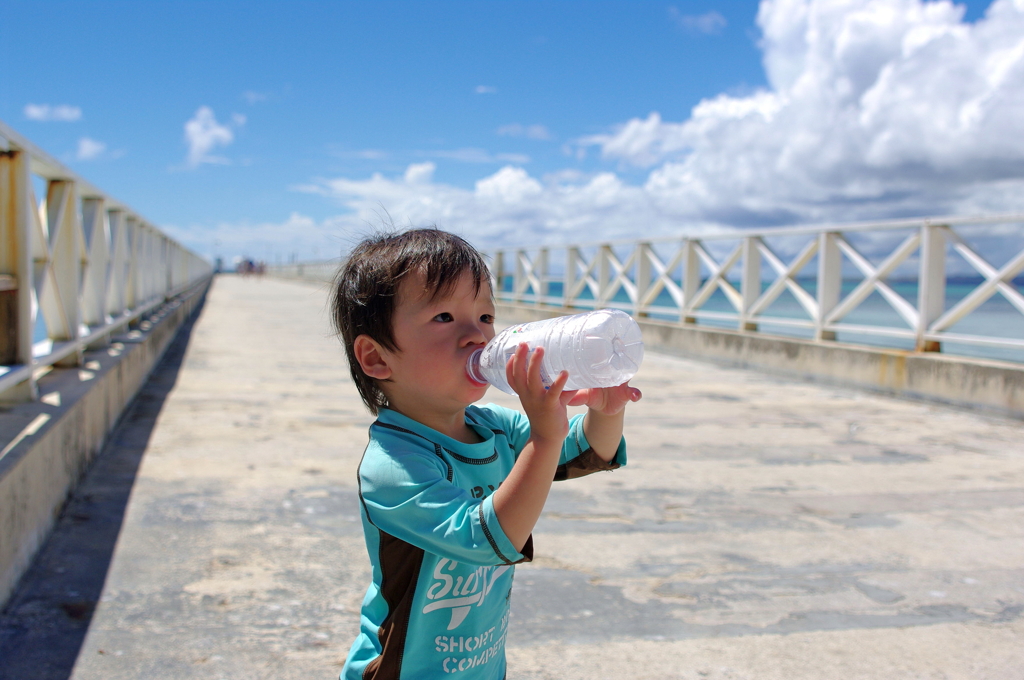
501	120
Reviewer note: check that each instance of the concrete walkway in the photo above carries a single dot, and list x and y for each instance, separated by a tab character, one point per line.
763	528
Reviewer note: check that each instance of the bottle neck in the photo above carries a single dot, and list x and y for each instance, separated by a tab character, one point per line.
473	367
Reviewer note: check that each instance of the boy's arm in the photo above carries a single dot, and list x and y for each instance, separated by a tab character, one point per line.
520	499
606	410
406	493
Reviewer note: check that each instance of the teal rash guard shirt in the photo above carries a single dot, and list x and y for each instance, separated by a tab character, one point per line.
438	603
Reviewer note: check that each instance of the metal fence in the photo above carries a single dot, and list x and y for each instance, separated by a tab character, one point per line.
76	266
908	283
315	271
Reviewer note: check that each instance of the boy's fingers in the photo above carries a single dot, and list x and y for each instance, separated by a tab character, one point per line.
533	372
579	397
630	393
510	369
516	368
555	390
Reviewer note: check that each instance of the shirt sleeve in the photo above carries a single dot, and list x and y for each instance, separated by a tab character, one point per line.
408	495
577	459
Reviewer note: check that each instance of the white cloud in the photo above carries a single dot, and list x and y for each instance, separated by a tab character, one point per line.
508	185
485	89
203	133
270	241
362	154
509	206
89	149
46	113
536	131
420	173
710	23
640	142
253	97
474	155
876	107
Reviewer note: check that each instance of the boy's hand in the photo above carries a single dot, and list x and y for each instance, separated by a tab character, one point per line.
607	401
520	498
545	407
602	425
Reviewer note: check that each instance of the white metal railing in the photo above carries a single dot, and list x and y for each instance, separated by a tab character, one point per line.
315	271
679	278
78	261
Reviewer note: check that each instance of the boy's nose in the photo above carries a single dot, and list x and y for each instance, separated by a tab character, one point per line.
474	334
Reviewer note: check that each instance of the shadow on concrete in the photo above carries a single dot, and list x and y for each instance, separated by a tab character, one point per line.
47	617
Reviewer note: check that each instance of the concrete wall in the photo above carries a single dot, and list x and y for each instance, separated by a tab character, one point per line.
980	384
994	386
47	445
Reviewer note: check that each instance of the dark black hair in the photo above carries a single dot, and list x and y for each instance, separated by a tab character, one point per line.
366	286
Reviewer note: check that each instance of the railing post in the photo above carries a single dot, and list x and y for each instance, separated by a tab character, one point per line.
572	256
604	275
498	274
931	284
519	280
540	268
131	282
182	270
16	221
156	287
142	264
147	263
94	283
168	257
643	276
750	282
156	283
691	279
830	282
118	263
59	299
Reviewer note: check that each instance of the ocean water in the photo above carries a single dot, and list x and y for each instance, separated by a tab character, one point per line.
996	317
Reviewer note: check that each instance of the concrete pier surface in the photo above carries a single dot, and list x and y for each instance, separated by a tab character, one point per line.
762	529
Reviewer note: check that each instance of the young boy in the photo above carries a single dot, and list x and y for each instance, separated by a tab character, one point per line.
450	492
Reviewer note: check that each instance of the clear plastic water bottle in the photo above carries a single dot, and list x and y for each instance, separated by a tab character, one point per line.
602	348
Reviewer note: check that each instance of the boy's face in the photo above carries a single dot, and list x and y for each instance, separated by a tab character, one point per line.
435	340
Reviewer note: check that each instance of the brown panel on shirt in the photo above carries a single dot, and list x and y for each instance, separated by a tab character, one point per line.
527	551
400	569
587	462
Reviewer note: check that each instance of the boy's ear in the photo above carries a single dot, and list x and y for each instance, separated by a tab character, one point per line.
371	358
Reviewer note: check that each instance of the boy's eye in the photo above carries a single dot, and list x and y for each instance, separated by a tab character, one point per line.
444	317
487	318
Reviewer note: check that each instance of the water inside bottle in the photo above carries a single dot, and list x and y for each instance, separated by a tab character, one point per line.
603	348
